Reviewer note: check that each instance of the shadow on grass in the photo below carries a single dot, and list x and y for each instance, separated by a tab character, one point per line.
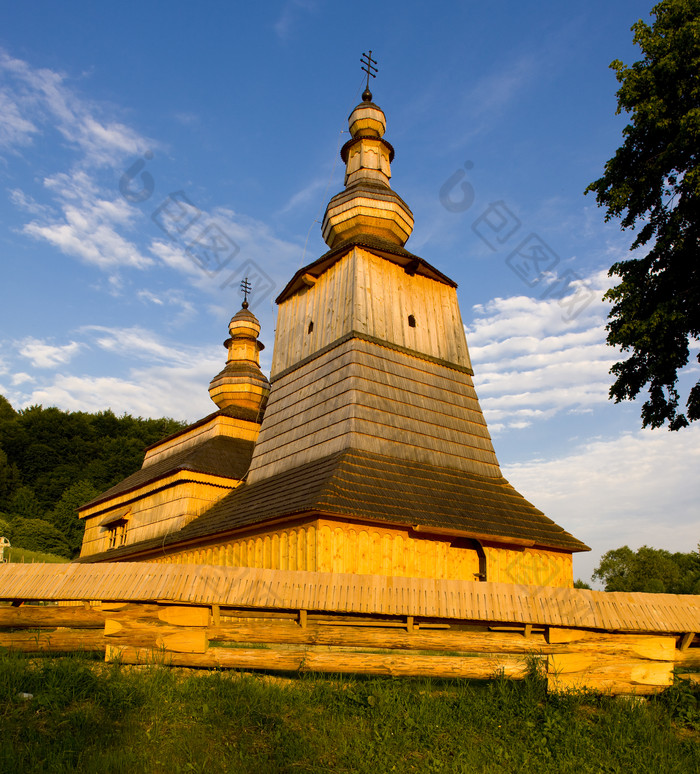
88	716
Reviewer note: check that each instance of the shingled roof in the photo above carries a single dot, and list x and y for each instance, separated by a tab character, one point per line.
220	456
371	487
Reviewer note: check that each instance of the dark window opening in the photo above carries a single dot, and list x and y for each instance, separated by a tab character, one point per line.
116	534
411	321
311	326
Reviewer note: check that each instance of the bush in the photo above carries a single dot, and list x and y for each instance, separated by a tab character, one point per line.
39	535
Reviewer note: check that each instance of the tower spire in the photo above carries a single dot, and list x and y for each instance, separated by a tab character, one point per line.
367	207
242	383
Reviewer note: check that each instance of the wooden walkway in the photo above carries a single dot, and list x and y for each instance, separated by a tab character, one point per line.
352	594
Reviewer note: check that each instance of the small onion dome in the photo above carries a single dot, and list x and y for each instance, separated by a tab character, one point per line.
367	206
367	120
241	383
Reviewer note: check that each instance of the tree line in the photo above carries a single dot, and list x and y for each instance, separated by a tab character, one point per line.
53	461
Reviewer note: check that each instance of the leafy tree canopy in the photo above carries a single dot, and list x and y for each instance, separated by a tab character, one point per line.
65	515
650	570
6	410
25	505
52	449
52	461
653	182
39	535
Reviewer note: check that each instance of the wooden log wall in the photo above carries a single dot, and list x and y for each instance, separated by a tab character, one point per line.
299	640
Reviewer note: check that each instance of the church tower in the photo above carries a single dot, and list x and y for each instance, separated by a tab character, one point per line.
373	454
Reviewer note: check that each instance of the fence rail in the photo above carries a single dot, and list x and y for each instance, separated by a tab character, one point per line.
204	616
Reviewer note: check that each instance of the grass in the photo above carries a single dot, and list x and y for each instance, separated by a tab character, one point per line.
25	555
90	717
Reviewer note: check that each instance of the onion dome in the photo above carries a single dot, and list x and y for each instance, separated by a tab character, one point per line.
367	206
241	383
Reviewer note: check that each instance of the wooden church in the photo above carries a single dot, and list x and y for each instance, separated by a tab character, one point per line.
366	451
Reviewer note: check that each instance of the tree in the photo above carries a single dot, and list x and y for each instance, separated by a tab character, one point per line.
39	535
6	411
9	479
65	515
649	569
24	504
653	181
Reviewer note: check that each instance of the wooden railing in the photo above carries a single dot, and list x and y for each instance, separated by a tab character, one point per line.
202	616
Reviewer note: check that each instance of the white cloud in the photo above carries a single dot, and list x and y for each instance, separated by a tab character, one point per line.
252	250
533	358
173	299
178	390
87	225
314	191
136	342
21	378
15	129
35	97
45	355
640	488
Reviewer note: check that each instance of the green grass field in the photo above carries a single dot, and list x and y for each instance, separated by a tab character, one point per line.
90	717
25	555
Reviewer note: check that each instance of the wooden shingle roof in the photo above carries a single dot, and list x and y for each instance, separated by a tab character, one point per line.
370	487
219	456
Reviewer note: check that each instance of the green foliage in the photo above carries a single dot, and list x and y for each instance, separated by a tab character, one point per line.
580	584
25	505
39	535
65	515
9	478
654	181
5	528
6	411
86	716
64	459
649	569
54	449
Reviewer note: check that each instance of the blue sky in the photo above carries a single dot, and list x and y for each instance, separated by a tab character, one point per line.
115	118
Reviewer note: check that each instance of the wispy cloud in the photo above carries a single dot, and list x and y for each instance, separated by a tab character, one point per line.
635	489
532	362
43	354
15	129
41	97
290	15
84	223
312	192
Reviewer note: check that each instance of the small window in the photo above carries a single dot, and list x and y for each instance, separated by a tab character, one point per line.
311	326
116	534
115	527
411	321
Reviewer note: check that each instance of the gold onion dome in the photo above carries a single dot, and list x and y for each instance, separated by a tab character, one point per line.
241	383
367	206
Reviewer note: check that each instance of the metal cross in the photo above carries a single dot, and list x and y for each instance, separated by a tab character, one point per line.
245	289
368	66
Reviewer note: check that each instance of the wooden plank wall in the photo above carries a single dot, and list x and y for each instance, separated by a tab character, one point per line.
366	293
365	396
162	507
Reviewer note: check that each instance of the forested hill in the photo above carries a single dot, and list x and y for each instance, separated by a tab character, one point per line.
52	461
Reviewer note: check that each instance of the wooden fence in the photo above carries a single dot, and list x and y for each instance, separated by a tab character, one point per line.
204	616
